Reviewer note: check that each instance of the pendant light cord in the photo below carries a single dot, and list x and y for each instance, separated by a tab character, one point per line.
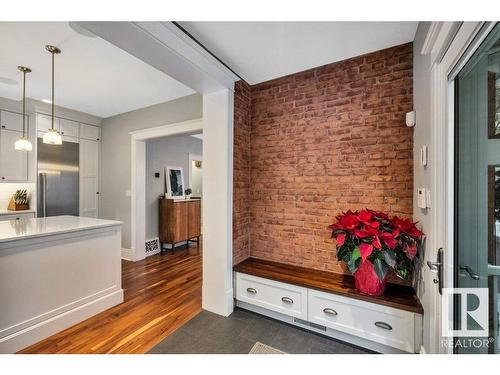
53	106
24	103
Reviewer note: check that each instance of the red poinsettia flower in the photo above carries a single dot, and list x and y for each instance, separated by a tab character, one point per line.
410	249
361	233
365	249
376	242
389	239
340	239
365	216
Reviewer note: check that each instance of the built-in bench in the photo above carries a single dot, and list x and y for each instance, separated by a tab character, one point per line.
329	303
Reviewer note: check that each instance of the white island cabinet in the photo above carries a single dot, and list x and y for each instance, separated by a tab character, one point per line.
54	273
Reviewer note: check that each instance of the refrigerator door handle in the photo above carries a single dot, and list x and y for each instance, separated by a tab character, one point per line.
44	193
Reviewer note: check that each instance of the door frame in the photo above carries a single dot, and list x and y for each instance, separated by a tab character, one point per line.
138	173
456	43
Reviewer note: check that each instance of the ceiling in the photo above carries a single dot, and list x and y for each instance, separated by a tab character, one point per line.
260	51
92	75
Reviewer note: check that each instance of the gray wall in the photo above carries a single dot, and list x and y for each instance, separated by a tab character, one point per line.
173	151
116	153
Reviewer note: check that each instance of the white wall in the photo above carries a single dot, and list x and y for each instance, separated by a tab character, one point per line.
422	176
196	182
173	151
115	203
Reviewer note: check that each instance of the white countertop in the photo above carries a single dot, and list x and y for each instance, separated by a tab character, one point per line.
13	230
9	212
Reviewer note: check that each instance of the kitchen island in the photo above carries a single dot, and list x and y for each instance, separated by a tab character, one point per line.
54	273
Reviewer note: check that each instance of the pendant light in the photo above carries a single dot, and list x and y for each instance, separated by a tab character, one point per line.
52	136
23	143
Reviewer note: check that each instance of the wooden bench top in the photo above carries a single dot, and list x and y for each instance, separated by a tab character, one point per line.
397	296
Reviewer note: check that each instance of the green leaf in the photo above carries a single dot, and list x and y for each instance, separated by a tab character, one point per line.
342	251
390	257
354	263
380	268
356	253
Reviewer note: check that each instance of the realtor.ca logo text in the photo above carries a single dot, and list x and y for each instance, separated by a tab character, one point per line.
468	327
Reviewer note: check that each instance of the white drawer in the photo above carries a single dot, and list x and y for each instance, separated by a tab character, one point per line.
280	297
17	216
385	325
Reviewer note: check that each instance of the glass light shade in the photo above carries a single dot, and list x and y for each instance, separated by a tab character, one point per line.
52	137
22	144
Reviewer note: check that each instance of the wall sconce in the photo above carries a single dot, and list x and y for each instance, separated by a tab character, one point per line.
197	163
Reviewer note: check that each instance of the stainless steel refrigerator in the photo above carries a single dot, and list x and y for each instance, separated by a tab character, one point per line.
58	179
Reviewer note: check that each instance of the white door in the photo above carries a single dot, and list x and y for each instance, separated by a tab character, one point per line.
13	163
89	178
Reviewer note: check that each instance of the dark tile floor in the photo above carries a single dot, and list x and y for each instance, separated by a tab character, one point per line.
208	333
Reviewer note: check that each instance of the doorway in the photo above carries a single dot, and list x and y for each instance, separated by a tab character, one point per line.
477	191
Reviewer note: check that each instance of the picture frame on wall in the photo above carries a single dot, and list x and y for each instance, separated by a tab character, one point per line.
174	177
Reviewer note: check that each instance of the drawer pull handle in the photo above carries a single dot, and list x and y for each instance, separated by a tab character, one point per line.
287	299
251	290
383	326
329	311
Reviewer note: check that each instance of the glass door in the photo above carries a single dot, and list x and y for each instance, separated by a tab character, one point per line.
477	186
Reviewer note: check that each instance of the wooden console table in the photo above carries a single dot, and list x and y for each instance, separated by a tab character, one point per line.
180	220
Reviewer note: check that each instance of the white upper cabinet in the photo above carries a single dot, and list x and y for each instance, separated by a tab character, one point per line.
89	178
13	163
12	121
90	132
69	128
44	123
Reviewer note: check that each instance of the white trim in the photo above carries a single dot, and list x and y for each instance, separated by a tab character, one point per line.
127	254
165	47
452	44
138	183
46	328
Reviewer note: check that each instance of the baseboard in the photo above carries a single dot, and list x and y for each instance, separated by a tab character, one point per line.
46	328
127	254
345	337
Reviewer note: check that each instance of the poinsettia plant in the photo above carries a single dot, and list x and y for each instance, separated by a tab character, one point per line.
371	236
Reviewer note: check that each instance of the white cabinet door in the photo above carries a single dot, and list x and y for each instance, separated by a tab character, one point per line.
13	163
44	123
89	178
90	132
69	128
12	121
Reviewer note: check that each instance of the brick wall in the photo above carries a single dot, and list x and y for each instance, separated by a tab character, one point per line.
322	141
241	173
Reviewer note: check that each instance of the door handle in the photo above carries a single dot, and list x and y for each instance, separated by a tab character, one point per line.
471	273
438	266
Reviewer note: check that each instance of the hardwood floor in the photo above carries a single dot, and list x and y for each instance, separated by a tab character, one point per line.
162	292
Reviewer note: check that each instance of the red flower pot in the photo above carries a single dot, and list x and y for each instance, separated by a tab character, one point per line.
367	281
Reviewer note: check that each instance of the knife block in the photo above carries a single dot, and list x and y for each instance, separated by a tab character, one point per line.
17	207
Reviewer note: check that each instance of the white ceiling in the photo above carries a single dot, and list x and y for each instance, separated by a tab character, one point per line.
92	75
260	51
